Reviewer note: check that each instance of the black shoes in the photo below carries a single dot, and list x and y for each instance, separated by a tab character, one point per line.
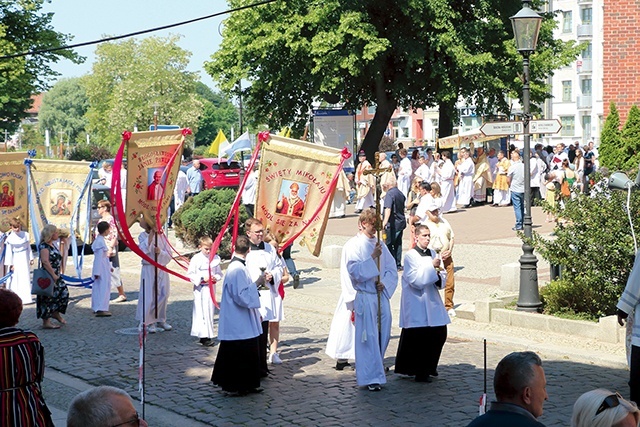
207	342
296	281
423	379
374	387
341	366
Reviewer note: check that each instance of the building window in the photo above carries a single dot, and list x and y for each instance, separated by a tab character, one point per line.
567	22
585	85
586	128
566	91
586	15
568	125
587	52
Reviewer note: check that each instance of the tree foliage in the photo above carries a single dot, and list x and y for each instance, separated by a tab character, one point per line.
64	108
24	27
630	137
131	79
420	55
218	113
611	152
594	245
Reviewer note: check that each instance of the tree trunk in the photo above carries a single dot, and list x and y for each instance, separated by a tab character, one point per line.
446	116
384	110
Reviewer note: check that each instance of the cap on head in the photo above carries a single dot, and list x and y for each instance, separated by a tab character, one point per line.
361	153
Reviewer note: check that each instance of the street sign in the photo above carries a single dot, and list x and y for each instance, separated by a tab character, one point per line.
502	128
545	126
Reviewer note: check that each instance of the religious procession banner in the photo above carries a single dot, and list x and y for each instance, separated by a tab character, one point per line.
13	189
148	180
59	184
296	184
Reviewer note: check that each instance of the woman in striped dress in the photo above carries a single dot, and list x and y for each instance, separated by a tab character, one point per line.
22	364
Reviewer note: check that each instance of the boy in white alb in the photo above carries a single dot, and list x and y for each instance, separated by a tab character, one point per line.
203	310
101	288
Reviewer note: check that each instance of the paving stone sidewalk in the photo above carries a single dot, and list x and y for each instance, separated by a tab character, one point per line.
305	390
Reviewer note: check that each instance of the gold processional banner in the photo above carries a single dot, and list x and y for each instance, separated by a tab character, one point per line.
148	154
13	189
58	186
293	179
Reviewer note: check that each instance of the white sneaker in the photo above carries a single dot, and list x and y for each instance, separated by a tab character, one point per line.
274	359
165	326
451	312
151	329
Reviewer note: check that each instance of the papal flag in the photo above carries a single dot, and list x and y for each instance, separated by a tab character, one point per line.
13	189
219	143
148	180
296	184
59	184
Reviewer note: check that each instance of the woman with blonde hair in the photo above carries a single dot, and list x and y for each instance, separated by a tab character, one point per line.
602	408
19	258
51	259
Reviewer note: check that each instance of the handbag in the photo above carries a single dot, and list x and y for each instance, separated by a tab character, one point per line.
42	283
564	188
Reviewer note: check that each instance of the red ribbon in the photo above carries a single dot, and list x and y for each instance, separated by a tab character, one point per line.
264	136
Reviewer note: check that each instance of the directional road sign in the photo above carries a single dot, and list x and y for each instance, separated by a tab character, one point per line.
545	126
502	128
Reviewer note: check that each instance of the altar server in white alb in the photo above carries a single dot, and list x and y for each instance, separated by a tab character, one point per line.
101	272
146	312
341	341
263	260
18	258
203	310
361	254
423	317
237	367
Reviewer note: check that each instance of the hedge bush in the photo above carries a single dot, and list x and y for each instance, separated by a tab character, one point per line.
204	215
593	243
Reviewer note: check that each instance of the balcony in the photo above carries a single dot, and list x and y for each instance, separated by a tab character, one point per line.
585	30
584	102
584	66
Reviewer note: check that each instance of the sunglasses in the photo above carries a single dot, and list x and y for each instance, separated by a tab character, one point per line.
135	420
609	402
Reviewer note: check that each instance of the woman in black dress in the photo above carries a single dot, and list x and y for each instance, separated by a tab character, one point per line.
51	259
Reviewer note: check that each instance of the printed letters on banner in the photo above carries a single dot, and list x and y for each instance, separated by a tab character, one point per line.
148	155
13	188
294	178
59	184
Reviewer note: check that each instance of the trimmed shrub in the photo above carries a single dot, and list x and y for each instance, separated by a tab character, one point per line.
594	245
89	152
204	215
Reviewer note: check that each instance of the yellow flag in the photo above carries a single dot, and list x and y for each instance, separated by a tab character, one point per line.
214	149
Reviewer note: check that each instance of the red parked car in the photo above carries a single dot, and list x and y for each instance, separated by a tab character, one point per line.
218	174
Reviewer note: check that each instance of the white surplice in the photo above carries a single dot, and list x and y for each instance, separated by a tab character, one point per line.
180	190
101	287
18	254
341	341
270	301
146	313
239	306
404	176
203	309
446	172
363	271
465	184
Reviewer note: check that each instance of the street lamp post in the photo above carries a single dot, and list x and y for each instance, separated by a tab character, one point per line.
526	27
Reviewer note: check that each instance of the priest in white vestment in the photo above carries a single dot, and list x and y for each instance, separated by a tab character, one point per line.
446	171
465	169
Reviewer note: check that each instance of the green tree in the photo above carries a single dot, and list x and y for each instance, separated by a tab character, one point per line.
610	150
24	27
630	136
31	136
64	108
131	79
218	113
422	54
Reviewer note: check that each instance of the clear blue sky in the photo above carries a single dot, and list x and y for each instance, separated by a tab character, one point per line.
89	20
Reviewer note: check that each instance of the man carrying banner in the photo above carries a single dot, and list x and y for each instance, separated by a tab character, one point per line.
263	260
360	260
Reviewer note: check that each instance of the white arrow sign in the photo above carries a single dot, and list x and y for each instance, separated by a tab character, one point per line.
545	126
502	128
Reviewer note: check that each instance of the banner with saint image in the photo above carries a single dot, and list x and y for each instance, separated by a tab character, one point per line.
13	189
148	183
58	187
296	184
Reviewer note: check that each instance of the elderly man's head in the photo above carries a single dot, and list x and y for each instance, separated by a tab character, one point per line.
519	379
103	406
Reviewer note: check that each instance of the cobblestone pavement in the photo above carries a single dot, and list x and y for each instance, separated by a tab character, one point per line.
306	390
